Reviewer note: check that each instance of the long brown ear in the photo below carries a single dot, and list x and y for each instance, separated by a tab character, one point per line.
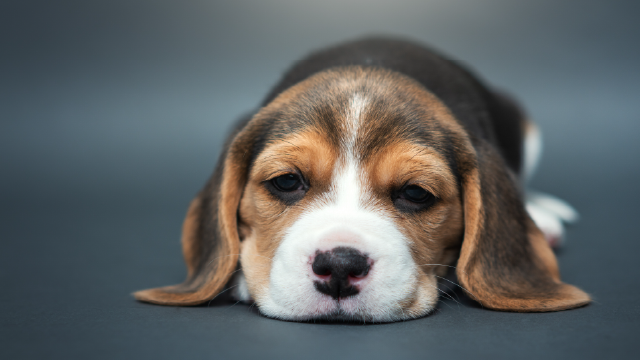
505	262
210	241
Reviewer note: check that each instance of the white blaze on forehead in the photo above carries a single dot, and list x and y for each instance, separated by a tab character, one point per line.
341	218
353	120
347	188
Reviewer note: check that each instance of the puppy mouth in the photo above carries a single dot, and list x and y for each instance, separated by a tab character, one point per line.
337	315
340	315
347	310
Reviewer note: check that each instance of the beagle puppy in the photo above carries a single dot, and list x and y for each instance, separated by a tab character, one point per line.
370	170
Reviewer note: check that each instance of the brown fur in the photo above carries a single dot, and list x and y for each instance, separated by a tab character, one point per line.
266	219
436	230
408	136
504	261
390	165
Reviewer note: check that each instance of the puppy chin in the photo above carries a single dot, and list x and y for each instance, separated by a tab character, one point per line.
350	310
363	308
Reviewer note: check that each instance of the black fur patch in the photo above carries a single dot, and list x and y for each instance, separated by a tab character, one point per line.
478	109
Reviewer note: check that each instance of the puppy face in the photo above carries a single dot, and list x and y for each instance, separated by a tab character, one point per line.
352	208
348	195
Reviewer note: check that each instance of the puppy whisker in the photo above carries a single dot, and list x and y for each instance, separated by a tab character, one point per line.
222	292
234	304
458	285
454	267
449	289
449	296
461	287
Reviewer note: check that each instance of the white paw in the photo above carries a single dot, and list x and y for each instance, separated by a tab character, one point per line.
239	290
550	214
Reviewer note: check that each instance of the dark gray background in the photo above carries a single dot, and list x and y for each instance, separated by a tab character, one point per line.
112	115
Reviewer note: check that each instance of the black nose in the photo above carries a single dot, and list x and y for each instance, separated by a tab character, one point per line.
340	265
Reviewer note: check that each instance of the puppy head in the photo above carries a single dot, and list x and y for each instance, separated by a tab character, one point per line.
348	195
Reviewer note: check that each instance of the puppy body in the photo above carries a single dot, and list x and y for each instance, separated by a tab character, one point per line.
369	170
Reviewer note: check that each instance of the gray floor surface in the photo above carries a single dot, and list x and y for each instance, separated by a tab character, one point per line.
112	115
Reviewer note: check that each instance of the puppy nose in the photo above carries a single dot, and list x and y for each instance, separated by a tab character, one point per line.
338	269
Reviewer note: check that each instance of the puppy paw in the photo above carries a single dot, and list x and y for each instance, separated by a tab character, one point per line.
239	290
550	214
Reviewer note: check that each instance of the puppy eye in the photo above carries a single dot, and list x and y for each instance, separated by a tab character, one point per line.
289	188
287	182
412	198
415	194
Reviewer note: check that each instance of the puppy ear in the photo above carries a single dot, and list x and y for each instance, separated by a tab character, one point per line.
210	241
505	262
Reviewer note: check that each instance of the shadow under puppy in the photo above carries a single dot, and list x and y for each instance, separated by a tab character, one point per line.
371	169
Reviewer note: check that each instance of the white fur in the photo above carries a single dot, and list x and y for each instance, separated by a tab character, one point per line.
356	107
550	213
532	151
239	289
342	218
556	207
547	211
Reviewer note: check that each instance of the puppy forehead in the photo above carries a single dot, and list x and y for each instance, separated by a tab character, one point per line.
363	109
